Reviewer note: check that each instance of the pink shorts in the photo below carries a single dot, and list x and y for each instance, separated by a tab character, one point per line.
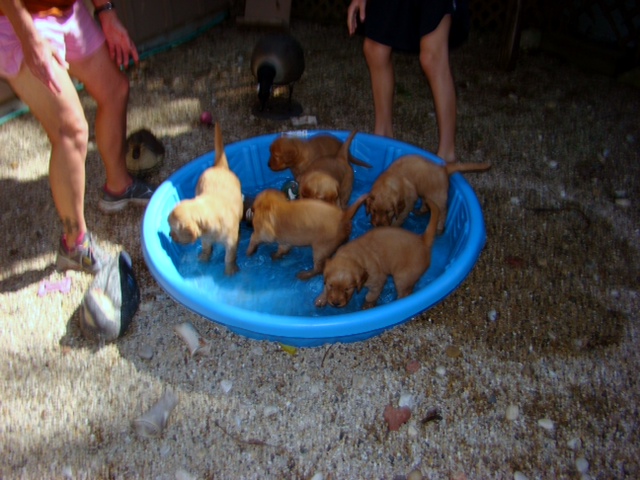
76	36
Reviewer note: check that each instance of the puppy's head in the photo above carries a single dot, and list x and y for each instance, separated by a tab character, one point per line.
321	186
384	205
284	153
184	227
342	278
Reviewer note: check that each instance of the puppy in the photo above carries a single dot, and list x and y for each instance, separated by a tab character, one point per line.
395	192
304	222
370	258
215	213
329	177
298	154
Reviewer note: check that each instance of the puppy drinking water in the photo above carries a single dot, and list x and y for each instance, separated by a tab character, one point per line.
368	260
297	223
215	213
395	192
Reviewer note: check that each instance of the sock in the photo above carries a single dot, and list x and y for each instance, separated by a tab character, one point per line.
79	241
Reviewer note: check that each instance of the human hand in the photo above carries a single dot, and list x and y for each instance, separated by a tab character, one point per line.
356	6
39	57
121	48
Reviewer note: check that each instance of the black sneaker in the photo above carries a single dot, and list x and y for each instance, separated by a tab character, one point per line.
86	257
138	193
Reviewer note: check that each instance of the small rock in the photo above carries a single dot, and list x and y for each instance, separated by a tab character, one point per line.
145	351
623	202
582	465
546	423
513	412
415	475
270	411
492	315
441	371
575	443
396	417
226	385
413	366
519	476
406	400
452	351
317	476
182	474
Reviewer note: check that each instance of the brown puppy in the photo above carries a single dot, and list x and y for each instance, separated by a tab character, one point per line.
304	222
214	214
395	192
368	260
329	177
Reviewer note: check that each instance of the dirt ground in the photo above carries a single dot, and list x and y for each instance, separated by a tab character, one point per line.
528	370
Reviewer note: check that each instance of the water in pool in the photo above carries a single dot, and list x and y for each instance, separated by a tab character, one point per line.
265	285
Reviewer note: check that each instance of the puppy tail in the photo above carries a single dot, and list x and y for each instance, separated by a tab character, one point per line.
452	168
429	235
344	152
221	156
350	212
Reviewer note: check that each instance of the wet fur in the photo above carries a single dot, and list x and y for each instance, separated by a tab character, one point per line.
298	223
322	166
367	261
410	177
214	215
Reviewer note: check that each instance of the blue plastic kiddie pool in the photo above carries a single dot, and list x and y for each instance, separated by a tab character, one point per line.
265	300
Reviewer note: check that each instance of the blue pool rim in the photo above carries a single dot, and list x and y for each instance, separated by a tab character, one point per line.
307	331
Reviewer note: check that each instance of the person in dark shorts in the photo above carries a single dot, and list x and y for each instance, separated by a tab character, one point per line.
411	26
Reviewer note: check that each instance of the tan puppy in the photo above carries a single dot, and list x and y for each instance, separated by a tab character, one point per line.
395	192
329	177
324	153
214	214
298	223
368	260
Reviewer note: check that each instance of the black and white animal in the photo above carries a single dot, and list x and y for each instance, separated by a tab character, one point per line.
277	59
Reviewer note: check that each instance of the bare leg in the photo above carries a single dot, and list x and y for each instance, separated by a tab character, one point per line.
434	60
62	118
379	61
109	87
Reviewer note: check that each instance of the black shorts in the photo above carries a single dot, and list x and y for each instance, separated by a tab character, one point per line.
401	24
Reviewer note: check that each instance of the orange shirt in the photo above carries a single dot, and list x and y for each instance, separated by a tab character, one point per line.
47	7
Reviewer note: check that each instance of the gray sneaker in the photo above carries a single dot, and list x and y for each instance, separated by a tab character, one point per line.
86	257
138	193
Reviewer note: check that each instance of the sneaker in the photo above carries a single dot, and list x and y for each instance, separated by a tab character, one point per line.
138	193
86	257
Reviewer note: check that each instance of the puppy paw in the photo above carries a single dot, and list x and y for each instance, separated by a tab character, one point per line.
306	274
231	269
368	305
321	301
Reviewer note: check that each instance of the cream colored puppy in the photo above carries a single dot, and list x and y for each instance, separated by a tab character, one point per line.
214	215
297	223
367	261
395	192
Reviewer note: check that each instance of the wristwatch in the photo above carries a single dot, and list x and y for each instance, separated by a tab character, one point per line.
104	8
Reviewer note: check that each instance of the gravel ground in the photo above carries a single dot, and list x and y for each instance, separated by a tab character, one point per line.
528	370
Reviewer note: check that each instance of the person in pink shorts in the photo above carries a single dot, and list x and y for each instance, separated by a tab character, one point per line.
43	44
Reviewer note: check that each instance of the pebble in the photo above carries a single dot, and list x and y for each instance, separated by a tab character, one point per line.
318	476
546	423
492	315
575	443
145	351
182	474
226	385
452	351
513	412
623	202
270	411
582	465
406	400
441	371
519	476
415	475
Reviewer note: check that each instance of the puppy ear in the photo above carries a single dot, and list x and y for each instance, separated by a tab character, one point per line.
362	278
